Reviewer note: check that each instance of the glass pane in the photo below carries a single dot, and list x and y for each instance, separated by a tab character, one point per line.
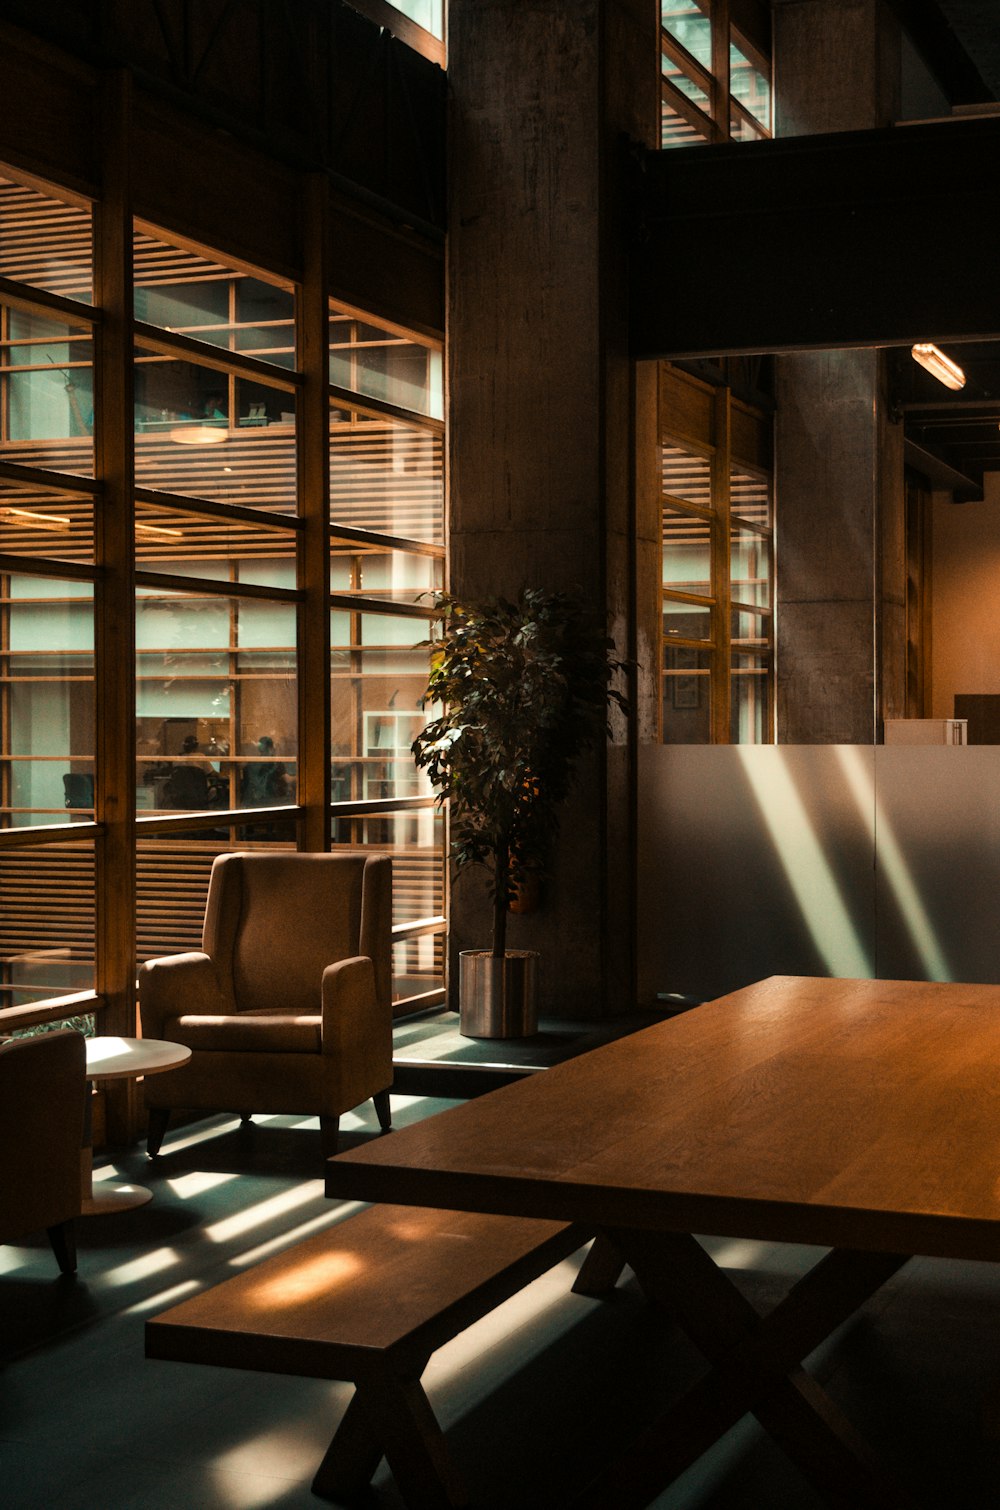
686	695
198	545
675	75
375	362
686	475
377	682
750	497
46	922
45	242
750	566
684	621
676	130
427	13
749	700
207	436
392	576
179	290
415	840
216	704
387	477
750	631
689	23
748	85
48	671
417	966
47	391
687	557
47	522
742	130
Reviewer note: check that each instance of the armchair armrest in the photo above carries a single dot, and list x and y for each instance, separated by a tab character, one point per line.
178	984
357	1030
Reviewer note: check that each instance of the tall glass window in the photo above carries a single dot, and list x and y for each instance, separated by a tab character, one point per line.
218	534
717	601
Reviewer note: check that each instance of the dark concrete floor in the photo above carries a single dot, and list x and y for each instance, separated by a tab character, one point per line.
533	1397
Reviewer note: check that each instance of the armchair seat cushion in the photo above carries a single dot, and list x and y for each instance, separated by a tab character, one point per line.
275	1032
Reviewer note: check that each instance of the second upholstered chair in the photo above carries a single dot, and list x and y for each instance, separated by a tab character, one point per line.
43	1089
288	1005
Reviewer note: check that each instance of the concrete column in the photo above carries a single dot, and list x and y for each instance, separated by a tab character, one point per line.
544	99
838	456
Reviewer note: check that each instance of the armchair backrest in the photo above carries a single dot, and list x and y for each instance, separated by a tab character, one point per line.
43	1082
274	922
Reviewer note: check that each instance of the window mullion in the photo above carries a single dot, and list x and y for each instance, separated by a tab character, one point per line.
720	66
114	629
721	670
314	539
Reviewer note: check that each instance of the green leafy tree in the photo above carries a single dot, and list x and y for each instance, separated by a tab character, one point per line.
525	688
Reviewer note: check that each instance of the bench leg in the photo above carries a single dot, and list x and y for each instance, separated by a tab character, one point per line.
391	1417
415	1448
600	1270
383	1110
352	1457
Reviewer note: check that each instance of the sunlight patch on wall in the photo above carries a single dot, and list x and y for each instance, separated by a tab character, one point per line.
808	872
890	862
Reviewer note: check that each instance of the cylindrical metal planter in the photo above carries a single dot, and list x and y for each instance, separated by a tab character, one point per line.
497	997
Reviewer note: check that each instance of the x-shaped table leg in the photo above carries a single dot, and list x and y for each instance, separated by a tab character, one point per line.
756	1368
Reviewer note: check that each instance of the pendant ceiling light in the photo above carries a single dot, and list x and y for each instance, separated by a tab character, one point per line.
198	435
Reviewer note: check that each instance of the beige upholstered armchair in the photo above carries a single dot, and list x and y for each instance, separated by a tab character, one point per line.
289	1006
43	1087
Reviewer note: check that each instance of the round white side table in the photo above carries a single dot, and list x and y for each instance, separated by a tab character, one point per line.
110	1058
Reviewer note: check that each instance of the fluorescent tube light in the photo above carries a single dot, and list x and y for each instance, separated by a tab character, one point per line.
158	529
938	365
55	522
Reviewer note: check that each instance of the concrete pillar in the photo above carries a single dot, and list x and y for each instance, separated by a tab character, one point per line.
545	98
838	456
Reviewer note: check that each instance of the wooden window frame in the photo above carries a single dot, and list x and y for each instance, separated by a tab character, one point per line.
715	123
711	439
116	830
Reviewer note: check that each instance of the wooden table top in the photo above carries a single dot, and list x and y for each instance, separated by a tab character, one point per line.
845	1113
113	1058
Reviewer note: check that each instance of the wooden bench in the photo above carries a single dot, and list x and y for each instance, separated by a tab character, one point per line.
368	1301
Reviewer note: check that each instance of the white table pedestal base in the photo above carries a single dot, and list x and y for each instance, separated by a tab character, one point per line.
99	1199
107	1198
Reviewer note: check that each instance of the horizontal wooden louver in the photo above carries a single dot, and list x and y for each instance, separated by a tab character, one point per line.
380	478
47	919
45	243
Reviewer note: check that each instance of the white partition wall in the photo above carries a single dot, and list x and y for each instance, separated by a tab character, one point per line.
844	860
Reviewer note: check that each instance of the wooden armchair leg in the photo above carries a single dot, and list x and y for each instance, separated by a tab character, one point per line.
329	1128
383	1110
63	1239
159	1119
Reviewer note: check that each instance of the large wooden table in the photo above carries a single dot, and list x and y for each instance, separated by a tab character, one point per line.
860	1116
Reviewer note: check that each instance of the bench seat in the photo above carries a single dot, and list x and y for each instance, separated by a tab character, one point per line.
368	1301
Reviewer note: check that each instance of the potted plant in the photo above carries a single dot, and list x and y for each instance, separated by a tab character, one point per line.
524	687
